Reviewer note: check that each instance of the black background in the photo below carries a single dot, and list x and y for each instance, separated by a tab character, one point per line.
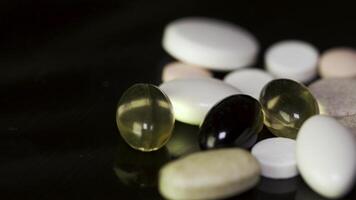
64	65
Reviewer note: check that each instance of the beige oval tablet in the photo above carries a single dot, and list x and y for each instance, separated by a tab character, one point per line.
177	70
338	63
336	96
349	122
212	174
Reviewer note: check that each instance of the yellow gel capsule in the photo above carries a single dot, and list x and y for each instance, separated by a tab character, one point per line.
144	117
286	105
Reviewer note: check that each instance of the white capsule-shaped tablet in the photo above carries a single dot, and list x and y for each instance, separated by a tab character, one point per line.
249	81
210	43
326	156
292	59
192	98
178	70
276	157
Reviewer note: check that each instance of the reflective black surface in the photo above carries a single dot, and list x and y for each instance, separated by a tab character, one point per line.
64	65
235	121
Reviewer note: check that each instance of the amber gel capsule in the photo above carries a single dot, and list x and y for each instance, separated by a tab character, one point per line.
286	105
144	117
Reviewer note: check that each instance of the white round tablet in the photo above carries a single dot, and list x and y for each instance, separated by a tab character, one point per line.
249	81
276	157
211	43
292	59
177	70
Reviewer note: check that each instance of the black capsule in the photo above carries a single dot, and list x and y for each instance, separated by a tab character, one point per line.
234	121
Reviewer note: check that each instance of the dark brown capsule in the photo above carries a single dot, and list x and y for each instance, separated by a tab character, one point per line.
234	121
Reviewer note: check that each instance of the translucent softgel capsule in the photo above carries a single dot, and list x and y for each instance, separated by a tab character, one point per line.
287	104
144	117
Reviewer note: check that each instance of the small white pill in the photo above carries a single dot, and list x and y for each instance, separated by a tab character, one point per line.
249	81
276	157
210	43
292	59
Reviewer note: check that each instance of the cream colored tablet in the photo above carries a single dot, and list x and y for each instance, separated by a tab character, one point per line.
192	98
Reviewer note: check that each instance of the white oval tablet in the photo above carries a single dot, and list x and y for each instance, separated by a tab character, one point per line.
276	157
336	96
292	59
211	43
177	70
338	63
326	156
249	81
193	98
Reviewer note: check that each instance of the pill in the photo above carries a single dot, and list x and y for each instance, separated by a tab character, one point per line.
249	81
192	98
326	156
292	59
145	117
286	105
276	157
235	121
177	70
213	174
338	63
210	43
336	96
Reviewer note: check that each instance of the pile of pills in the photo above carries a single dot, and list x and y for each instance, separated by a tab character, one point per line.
314	127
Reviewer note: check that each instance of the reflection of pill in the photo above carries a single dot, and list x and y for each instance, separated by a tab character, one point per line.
292	59
336	96
177	70
278	186
249	81
338	62
276	157
211	43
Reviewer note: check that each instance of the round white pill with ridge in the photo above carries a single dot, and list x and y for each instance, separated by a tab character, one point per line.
292	59
276	157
